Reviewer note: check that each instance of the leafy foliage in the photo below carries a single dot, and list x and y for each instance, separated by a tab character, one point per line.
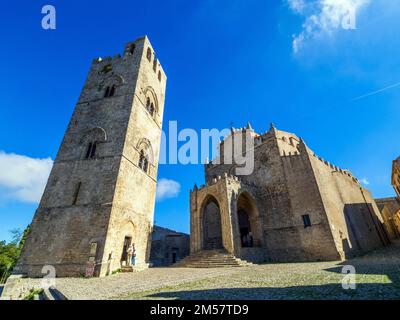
10	252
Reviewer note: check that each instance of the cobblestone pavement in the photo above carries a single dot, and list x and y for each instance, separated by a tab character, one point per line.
378	277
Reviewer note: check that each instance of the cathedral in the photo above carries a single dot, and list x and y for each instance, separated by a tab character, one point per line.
96	215
294	206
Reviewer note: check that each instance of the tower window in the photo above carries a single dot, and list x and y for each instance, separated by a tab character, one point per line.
132	48
91	150
150	106
143	161
76	193
155	65
149	54
110	91
151	109
306	220
107	92
159	75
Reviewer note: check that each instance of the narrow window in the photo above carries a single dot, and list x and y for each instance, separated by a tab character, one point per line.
155	65
88	151
107	92
93	151
151	109
76	193
112	91
306	220
159	75
148	103
143	162
149	54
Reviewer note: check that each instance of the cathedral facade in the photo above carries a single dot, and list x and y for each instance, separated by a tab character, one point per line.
294	206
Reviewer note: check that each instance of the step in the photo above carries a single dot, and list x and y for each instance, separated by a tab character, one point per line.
211	259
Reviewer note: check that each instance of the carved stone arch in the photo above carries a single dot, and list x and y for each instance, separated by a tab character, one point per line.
129	228
115	79
249	221
150	93
211	223
96	134
144	145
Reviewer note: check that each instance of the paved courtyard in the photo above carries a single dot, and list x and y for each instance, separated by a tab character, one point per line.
378	277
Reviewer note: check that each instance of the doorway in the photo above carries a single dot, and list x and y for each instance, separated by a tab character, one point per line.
211	225
127	243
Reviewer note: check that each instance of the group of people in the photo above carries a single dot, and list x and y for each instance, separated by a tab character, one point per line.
130	255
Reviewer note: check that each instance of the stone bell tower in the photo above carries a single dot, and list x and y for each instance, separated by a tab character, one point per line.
100	195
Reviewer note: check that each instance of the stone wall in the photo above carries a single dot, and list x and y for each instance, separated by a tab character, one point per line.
168	247
396	176
390	210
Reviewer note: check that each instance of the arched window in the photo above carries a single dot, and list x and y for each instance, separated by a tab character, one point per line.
112	91
143	161
150	106
91	150
107	92
149	54
155	65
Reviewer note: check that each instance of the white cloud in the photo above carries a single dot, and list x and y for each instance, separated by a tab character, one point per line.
365	181
23	178
297	5
167	189
324	17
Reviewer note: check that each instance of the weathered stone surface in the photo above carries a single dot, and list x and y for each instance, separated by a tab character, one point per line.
289	183
95	198
396	176
168	246
390	210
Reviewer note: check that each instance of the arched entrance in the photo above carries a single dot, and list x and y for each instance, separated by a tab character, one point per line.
246	237
211	225
250	232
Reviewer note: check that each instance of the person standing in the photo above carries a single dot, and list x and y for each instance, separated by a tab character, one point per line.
129	254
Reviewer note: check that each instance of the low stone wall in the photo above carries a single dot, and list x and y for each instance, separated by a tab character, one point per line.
17	287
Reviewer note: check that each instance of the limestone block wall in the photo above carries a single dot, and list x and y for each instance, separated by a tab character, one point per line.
354	219
396	176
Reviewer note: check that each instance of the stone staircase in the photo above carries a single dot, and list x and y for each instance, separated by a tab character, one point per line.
127	269
211	259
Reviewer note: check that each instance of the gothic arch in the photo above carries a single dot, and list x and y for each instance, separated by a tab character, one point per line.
144	145
115	79
211	226
97	134
150	95
90	141
248	217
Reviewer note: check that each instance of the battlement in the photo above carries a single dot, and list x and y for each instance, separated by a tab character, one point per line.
141	46
225	176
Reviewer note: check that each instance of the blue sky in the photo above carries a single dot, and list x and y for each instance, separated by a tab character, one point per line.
227	61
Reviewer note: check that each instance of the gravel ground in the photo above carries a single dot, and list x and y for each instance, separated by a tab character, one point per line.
377	277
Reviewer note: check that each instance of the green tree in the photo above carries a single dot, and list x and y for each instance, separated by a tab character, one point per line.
10	252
